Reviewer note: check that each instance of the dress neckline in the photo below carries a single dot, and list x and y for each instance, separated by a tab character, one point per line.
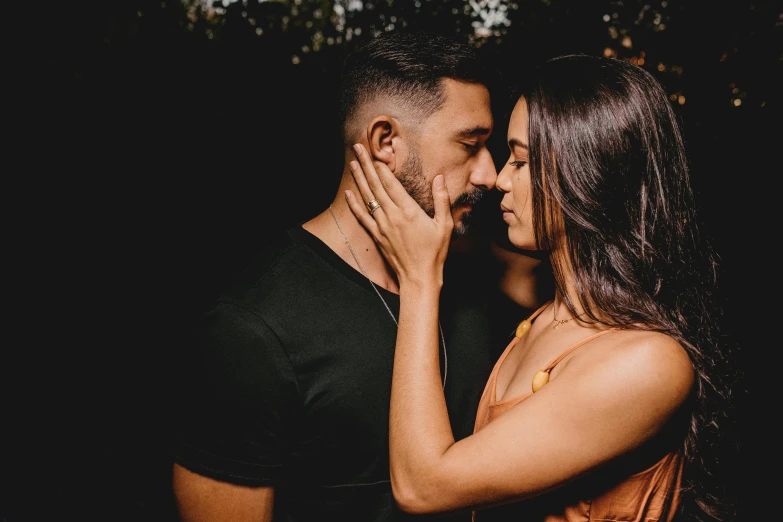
518	398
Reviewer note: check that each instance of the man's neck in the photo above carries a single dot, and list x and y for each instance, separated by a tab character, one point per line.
339	229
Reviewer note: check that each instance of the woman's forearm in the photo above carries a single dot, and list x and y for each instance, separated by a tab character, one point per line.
420	432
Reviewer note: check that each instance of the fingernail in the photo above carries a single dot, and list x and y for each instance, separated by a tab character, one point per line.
438	182
357	148
354	165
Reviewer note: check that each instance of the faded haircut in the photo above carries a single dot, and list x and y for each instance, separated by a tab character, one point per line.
409	68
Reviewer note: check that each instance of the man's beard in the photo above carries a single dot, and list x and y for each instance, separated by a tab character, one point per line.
411	177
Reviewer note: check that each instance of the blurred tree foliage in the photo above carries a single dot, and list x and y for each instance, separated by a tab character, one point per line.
213	112
229	86
202	86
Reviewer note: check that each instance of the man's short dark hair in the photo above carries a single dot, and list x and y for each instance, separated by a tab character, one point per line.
409	67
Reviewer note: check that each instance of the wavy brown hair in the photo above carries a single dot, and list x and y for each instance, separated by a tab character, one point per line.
613	203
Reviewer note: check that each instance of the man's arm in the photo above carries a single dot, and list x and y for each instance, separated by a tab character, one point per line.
203	499
234	393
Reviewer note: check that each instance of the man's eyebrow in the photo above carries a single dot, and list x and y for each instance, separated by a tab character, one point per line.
514	143
474	131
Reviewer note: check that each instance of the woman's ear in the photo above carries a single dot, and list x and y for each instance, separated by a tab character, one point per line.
382	132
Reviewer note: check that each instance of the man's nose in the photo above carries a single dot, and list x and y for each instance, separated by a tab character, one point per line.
485	176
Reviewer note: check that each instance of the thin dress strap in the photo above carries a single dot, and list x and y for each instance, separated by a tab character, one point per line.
542	376
575	346
560	357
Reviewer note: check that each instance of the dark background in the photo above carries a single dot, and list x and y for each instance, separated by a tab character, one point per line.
154	144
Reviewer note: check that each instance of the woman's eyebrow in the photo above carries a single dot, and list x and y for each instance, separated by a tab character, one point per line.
514	143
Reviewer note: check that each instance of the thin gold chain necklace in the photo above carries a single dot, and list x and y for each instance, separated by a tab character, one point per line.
391	314
558	322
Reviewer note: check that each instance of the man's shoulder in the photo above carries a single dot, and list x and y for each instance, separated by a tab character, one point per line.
273	266
290	262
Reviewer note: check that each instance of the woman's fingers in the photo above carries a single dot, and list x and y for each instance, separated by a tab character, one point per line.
382	192
442	202
359	209
381	180
360	177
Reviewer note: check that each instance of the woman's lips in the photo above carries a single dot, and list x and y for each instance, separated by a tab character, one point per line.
507	214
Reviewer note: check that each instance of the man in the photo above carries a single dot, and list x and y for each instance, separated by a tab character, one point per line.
285	408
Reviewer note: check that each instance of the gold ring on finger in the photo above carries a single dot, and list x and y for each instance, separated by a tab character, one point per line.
373	205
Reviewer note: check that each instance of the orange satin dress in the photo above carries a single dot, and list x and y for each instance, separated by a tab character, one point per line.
651	495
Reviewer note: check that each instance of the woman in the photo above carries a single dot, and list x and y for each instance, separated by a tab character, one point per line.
608	403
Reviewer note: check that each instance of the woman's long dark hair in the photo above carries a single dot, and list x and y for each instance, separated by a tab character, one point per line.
606	147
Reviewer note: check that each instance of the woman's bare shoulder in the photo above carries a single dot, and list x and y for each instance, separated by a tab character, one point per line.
643	364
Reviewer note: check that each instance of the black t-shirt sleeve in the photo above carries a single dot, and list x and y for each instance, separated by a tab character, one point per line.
236	400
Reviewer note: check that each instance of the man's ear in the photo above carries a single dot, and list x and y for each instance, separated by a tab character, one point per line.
382	133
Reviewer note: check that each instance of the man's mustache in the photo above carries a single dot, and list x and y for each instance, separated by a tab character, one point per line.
469	198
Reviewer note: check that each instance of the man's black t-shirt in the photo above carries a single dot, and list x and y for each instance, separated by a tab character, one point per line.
289	383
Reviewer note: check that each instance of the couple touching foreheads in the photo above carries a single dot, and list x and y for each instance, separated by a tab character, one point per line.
348	373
